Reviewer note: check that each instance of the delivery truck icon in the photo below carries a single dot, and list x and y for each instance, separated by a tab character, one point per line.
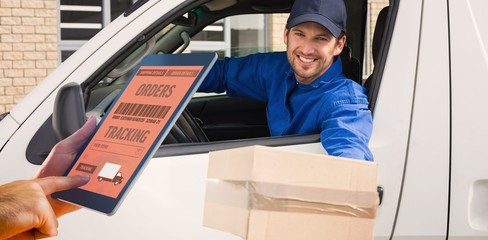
110	172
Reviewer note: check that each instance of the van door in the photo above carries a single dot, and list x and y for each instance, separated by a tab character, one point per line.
469	170
423	208
411	126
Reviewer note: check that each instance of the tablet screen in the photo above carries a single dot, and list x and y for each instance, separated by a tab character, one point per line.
134	123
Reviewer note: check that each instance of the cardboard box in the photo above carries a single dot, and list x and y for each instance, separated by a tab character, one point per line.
267	193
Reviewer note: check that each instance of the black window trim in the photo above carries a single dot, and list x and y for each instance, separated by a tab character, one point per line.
180	149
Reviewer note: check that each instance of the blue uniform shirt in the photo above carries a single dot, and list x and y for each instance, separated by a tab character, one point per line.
332	105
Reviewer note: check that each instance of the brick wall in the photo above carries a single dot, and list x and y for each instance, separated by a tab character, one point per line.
28	47
375	7
277	28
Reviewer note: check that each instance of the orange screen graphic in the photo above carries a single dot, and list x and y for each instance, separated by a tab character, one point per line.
132	126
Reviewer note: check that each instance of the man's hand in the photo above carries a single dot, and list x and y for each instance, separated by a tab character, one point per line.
60	159
27	210
25	206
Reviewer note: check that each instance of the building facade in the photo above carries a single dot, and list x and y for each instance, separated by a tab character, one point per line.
28	47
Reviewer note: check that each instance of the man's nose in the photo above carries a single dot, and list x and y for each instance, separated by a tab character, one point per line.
308	47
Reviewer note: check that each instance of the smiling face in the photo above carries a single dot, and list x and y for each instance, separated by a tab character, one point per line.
311	49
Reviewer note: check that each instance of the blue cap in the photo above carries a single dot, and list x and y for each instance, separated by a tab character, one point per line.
329	13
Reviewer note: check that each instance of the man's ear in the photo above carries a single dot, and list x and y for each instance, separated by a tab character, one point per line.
285	36
341	42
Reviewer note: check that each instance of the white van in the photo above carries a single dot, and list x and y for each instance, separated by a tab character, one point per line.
427	94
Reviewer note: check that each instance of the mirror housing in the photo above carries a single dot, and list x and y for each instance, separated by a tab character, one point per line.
69	110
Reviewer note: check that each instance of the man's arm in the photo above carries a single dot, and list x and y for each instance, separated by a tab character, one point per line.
240	77
347	130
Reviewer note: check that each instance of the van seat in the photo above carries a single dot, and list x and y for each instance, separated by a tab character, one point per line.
376	46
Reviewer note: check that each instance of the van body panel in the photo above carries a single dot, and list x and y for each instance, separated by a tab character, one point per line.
428	137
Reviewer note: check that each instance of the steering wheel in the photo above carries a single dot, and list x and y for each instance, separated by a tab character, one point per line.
186	130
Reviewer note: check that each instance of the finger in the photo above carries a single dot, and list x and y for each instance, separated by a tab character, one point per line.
74	142
77	139
63	153
55	184
45	232
27	235
40	220
48	226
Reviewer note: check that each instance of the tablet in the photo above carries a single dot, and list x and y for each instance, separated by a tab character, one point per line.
134	127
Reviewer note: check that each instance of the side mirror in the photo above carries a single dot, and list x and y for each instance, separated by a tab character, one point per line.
3	115
69	110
